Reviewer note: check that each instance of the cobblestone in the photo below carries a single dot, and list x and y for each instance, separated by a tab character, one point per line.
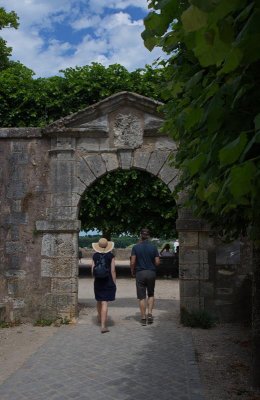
130	362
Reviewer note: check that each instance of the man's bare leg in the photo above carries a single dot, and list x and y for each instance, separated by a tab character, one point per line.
150	304
150	309
142	306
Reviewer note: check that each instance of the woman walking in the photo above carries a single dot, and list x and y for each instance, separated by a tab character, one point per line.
104	272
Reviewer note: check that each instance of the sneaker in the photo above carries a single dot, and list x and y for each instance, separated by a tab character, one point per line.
150	319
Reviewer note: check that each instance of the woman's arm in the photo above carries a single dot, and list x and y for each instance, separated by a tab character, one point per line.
113	269
92	267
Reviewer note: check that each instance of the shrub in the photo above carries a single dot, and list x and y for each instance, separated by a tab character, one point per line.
197	319
4	324
43	322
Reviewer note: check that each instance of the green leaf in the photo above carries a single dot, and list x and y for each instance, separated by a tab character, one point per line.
211	90
226	30
194	80
206	6
150	41
257	122
210	53
224	8
193	116
211	189
157	23
194	19
177	88
195	163
232	61
231	153
170	41
241	179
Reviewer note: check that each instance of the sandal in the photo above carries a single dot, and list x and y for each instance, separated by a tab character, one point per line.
104	330
143	321
149	318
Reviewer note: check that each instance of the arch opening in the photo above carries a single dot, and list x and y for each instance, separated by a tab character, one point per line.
121	202
124	201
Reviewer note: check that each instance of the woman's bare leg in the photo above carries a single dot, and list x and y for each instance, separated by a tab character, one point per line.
99	311
104	311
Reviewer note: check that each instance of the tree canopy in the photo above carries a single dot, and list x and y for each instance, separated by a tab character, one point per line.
26	101
212	107
126	201
7	20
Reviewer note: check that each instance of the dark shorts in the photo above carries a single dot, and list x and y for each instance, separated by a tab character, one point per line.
145	283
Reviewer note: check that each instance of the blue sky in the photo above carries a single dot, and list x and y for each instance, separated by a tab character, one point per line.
58	34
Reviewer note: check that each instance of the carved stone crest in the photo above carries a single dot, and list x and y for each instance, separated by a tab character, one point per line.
127	130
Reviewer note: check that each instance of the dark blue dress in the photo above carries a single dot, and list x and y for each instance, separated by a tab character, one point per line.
105	289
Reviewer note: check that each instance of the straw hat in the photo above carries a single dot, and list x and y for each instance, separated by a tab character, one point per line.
103	246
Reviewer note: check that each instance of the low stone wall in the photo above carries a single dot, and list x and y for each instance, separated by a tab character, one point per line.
120	254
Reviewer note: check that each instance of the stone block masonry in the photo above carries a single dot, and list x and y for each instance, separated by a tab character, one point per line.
44	173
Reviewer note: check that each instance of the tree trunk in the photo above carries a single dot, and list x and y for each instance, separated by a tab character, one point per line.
256	318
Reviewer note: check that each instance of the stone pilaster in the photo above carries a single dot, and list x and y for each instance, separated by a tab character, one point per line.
59	263
196	287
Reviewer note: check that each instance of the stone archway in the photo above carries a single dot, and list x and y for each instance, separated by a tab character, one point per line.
53	168
119	132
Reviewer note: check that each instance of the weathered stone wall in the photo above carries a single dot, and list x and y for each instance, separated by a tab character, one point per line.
44	174
120	254
232	280
214	276
24	181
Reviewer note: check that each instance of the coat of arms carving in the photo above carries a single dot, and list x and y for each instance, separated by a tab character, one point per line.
128	130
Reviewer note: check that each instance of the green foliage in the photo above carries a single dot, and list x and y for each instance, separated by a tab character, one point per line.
212	106
25	101
121	242
196	319
55	322
7	20
126	201
4	324
43	322
61	321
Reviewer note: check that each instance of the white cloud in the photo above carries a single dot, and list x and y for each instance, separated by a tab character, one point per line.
116	35
100	5
116	20
86	22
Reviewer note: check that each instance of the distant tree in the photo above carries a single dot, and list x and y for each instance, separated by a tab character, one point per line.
17	96
120	241
126	201
25	101
7	20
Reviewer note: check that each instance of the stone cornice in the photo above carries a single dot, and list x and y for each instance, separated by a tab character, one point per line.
23	133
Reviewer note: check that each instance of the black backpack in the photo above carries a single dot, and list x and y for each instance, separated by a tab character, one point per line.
100	269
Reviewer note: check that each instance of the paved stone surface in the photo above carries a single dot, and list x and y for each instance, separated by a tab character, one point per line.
131	362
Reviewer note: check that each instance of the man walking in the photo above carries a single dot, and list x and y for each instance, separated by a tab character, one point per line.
144	260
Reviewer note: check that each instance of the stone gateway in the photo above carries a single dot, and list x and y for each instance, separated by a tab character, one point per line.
44	173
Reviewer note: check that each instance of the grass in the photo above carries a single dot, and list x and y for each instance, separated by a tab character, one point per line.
4	324
43	322
48	322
